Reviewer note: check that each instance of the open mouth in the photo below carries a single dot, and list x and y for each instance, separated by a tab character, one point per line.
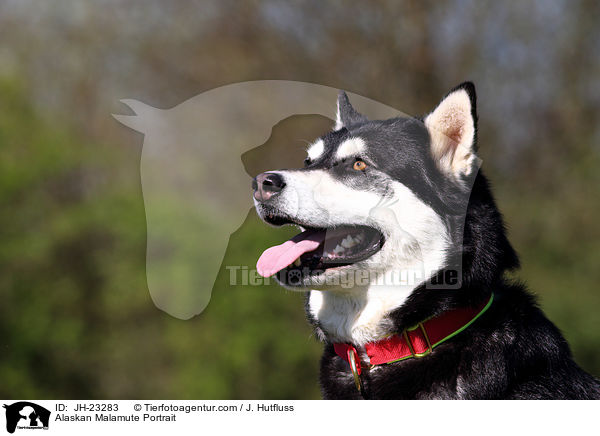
316	250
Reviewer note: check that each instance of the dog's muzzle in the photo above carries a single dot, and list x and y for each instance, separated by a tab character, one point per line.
267	185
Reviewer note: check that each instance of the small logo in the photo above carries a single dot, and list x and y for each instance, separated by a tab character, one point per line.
26	415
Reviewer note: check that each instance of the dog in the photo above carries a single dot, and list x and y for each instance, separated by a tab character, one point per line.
403	255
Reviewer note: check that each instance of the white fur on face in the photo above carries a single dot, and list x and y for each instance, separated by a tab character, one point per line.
350	147
316	150
452	130
317	198
416	244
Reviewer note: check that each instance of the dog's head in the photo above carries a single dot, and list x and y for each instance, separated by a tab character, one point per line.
373	196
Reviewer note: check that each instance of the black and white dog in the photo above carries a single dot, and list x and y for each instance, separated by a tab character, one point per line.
403	253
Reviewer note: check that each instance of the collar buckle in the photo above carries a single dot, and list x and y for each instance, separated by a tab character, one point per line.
426	337
409	343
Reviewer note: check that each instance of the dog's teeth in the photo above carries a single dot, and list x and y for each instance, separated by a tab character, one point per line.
297	262
348	242
338	249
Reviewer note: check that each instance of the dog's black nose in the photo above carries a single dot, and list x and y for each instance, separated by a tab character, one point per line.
266	185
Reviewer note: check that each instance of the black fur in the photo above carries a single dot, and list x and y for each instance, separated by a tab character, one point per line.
513	351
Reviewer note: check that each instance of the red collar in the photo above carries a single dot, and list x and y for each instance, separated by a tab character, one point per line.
416	341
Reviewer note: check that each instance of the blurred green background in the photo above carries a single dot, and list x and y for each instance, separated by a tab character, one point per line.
76	318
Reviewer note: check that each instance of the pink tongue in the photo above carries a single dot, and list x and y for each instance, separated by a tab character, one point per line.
276	258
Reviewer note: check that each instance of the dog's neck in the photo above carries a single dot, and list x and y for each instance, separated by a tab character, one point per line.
359	314
356	317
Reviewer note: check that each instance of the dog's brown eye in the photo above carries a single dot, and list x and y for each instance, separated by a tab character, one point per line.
359	165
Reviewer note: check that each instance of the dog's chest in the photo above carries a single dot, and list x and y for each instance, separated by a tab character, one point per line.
356	318
400	380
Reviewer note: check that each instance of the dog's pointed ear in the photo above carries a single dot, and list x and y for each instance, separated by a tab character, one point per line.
346	114
452	128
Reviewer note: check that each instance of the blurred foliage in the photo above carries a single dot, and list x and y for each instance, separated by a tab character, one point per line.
76	318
